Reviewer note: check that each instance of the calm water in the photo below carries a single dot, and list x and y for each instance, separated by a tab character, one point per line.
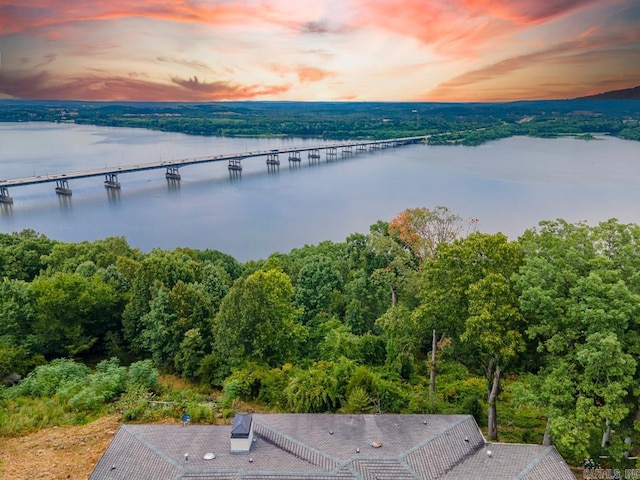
509	185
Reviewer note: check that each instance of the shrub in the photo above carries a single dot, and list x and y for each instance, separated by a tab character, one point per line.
46	380
143	374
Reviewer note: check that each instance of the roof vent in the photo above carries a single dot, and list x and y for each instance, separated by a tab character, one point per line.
241	433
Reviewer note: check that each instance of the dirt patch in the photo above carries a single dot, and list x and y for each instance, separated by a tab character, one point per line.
58	452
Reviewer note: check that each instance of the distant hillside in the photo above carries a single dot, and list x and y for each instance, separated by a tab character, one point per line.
625	94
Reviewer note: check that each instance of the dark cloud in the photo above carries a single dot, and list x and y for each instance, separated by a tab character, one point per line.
321	27
186	63
104	87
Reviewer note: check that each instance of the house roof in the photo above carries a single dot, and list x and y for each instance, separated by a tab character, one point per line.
324	446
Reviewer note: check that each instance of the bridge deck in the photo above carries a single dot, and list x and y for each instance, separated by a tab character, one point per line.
52	177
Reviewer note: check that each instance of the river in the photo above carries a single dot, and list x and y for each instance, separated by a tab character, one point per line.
508	185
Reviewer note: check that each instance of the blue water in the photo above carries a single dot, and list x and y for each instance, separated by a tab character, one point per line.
508	185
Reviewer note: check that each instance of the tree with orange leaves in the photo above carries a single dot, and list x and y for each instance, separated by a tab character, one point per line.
422	229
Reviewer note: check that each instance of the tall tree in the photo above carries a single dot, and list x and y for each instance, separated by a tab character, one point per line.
422	229
257	320
72	312
492	333
466	294
318	280
581	299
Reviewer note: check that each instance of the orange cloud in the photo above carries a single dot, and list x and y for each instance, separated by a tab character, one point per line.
18	16
103	87
305	74
591	49
460	26
312	74
525	12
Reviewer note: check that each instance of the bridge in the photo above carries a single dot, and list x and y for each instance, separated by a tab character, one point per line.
172	167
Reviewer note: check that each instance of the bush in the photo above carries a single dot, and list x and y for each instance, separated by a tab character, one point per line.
143	374
46	380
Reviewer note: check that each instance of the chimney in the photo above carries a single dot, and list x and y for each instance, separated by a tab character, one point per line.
241	433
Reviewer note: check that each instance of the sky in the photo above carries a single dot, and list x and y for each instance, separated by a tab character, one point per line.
317	50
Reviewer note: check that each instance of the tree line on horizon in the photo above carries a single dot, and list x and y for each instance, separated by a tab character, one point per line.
538	338
445	123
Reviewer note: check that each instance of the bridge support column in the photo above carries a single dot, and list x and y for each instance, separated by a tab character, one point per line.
314	155
4	195
332	153
172	173
111	181
346	150
361	148
235	168
62	188
294	157
273	159
235	165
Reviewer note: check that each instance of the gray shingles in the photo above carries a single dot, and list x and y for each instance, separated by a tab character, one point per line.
552	465
324	446
507	462
128	458
446	448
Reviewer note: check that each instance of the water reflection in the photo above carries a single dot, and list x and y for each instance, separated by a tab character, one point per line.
64	200
6	209
113	194
173	184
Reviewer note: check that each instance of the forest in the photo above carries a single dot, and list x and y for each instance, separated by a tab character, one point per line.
537	337
443	123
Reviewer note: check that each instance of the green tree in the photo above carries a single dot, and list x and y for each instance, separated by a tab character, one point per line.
257	320
160	269
21	254
466	294
316	283
580	297
72	312
492	333
17	315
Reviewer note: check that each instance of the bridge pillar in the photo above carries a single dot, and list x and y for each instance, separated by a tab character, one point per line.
314	155
235	165
172	173
62	187
361	148
4	195
294	157
346	150
273	159
332	153
111	181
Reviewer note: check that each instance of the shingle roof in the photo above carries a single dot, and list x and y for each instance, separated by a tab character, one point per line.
324	446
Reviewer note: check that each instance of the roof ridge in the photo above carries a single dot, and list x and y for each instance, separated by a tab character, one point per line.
437	434
548	449
154	449
465	429
304	452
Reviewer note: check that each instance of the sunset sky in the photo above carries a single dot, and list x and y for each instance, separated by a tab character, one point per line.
320	50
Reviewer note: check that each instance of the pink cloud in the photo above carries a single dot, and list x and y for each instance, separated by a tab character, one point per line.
18	16
305	74
104	87
459	27
587	50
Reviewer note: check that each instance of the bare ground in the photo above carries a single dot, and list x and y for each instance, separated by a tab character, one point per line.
57	453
